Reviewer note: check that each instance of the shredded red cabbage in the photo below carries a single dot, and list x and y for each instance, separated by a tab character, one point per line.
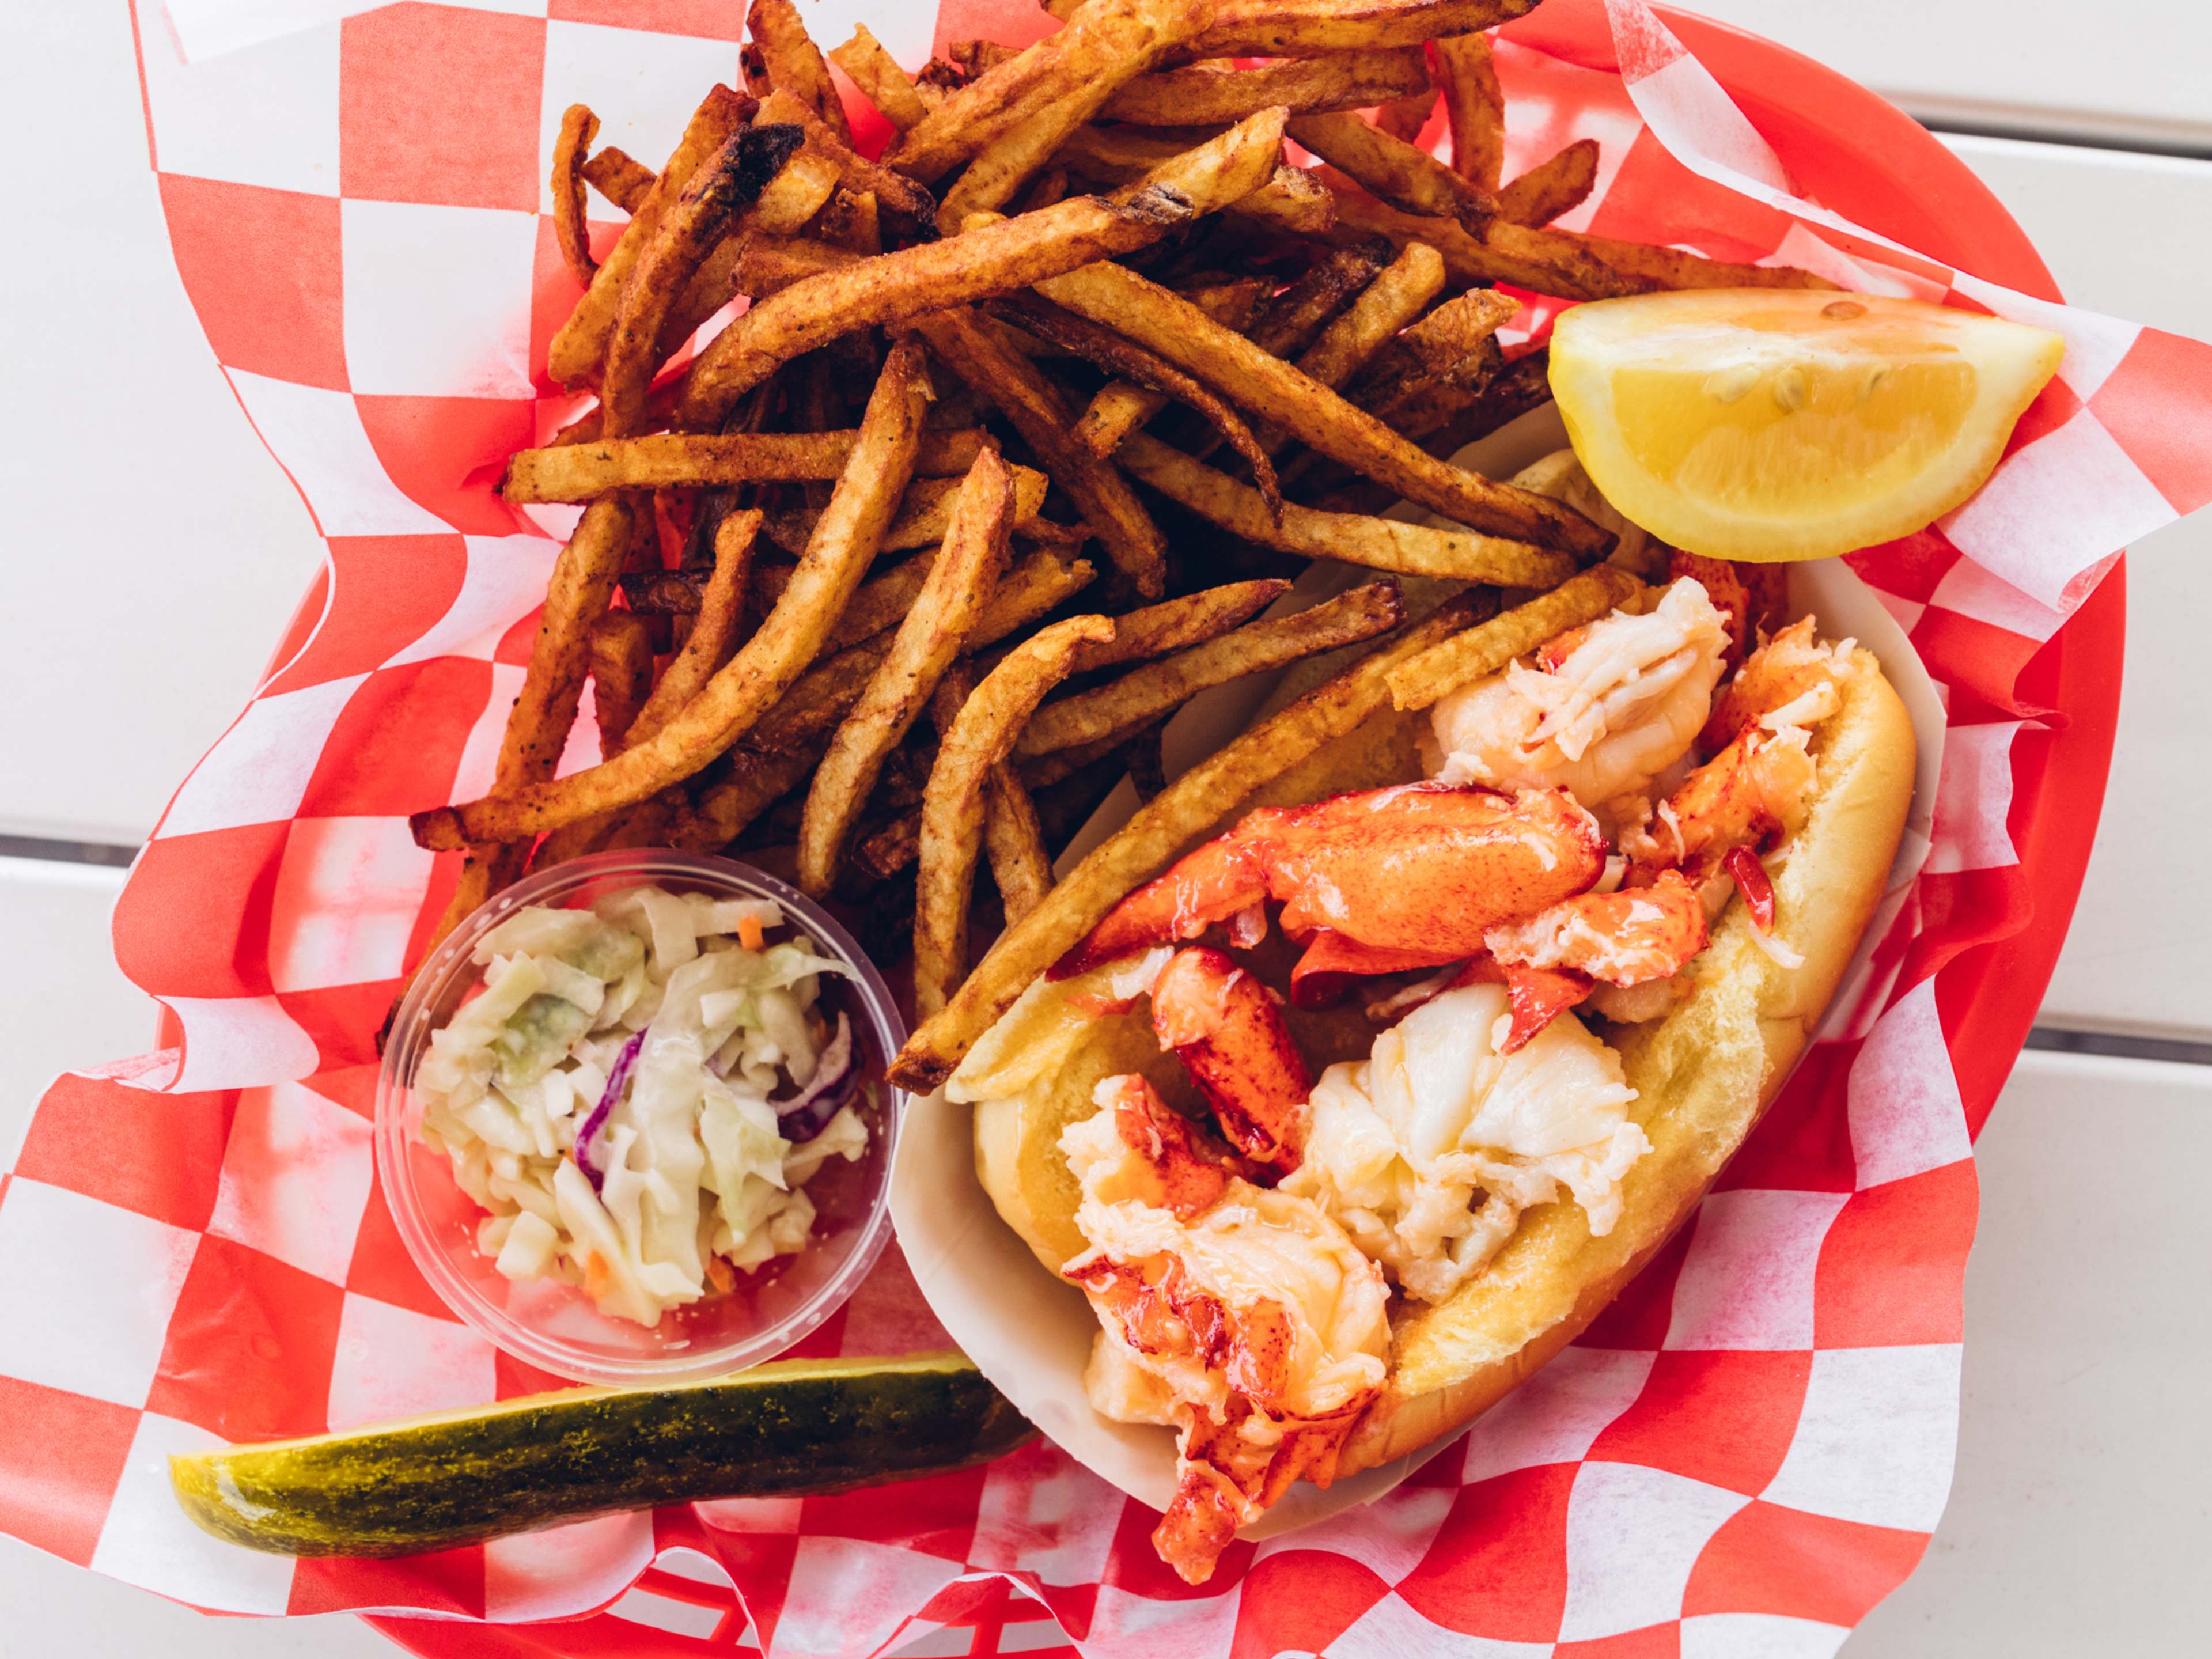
617	1080
835	1080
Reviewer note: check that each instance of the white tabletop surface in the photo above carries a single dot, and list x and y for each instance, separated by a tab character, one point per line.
153	573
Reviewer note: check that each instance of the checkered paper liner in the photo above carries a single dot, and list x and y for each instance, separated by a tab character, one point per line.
1745	1453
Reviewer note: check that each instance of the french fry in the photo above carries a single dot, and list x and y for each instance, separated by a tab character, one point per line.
1143	695
1399	294
1292	319
849	221
1551	188
1405	118
1306	86
1474	109
622	673
927	642
1164	828
713	633
880	79
580	343
975	349
754	264
1177	624
1407	550
924	512
1014	842
1399	172
1421	680
1289	200
846	539
713	637
1439	364
975	265
727	806
683	235
1004	164
1119	357
823	695
621	180
1556	262
1119	407
1300	28
579	126
792	196
578	472
1118	39
795	62
895	192
1266	384
952	808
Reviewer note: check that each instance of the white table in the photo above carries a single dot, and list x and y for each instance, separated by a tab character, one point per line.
151	579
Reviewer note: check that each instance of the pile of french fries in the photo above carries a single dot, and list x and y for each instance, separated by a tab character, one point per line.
833	584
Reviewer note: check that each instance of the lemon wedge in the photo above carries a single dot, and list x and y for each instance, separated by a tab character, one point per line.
1754	423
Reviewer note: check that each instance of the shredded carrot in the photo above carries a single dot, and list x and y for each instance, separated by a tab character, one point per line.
719	1275
750	934
595	1275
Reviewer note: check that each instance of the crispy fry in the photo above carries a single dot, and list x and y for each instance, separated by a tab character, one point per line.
1112	39
1397	172
927	642
1169	824
622	673
1119	407
580	345
1142	695
726	807
1551	188
975	349
1419	681
683	235
1293	319
1117	355
623	181
880	79
1312	413
1014	841
1004	164
1438	365
713	633
1557	262
925	512
849	221
952	809
1405	118
975	265
578	472
1289	200
752	263
1409	550
792	197
1396	297
1299	28
895	193
844	542
795	62
1292	202
1307	86
579	126
1475	108
822	696
1178	624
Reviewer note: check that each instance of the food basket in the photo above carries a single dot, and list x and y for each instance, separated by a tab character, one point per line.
1752	1445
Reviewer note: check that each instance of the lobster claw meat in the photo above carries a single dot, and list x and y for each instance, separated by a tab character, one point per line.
1332	961
1625	937
1228	1030
1418	867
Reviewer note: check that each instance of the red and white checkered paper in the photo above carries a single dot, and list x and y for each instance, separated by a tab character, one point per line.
1747	1451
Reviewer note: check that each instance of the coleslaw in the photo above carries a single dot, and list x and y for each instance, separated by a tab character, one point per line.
638	1093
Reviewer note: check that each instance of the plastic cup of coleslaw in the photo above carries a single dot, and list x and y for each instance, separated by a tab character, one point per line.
553	1324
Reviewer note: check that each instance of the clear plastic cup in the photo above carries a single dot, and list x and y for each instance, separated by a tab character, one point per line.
552	1324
